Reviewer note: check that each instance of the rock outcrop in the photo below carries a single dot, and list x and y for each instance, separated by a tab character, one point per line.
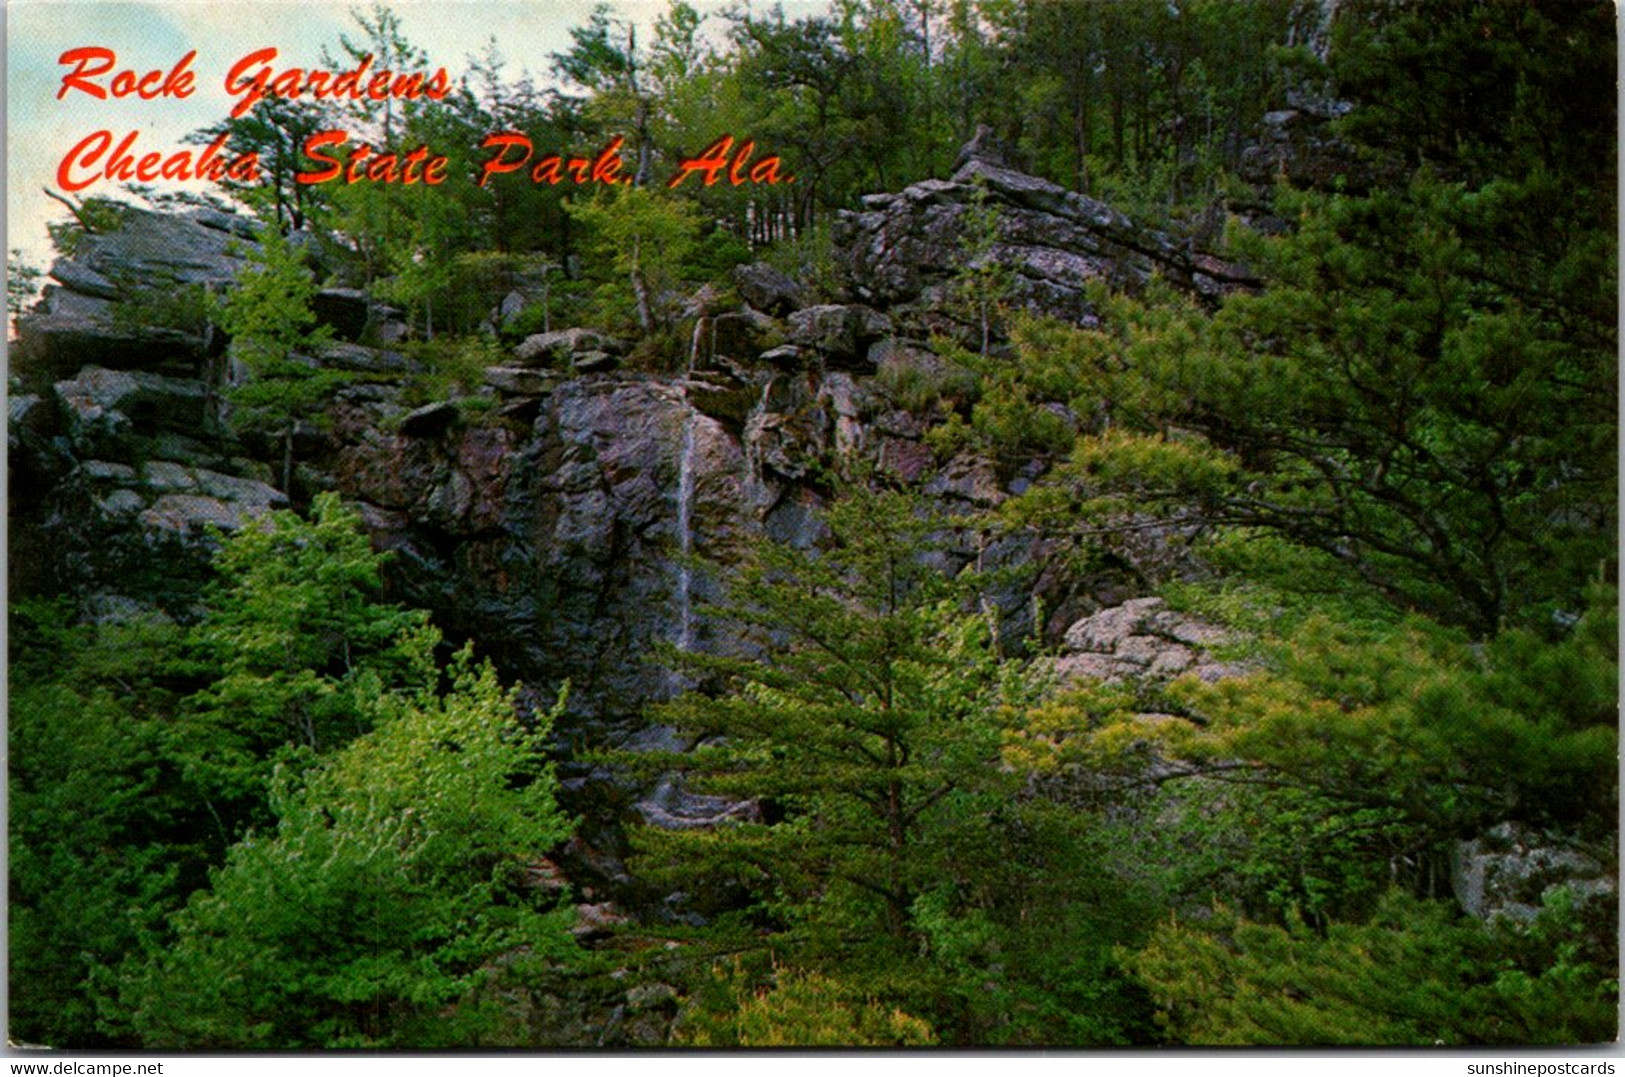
557	512
123	467
903	251
127	295
1143	639
1512	870
549	530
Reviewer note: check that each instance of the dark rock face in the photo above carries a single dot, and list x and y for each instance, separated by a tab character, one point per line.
430	420
1298	145
347	310
557	549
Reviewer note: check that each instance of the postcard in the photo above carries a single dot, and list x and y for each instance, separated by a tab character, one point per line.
899	525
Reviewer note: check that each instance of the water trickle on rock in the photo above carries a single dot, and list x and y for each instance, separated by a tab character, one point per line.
685	503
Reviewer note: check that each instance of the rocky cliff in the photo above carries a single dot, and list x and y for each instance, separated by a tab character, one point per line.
548	523
559	512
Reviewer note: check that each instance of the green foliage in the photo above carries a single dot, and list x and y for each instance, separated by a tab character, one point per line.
273	329
1281	854
276	130
92	216
871	721
1140	102
643	238
1484	90
1023	409
268	313
145	749
1451	444
892	851
22	282
449	367
97	841
299	645
1414	975
1406	721
800	1009
391	884
983	283
1425	390
105	834
150	304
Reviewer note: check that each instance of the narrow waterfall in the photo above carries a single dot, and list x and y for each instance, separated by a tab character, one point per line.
685	533
685	502
755	424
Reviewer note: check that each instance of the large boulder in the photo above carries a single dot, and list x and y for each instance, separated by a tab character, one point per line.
768	290
105	408
841	334
139	535
740	335
521	381
1143	638
1301	147
347	311
546	349
343	355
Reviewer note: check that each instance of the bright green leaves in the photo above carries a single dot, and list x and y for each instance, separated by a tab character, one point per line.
646	238
268	312
105	834
269	317
383	807
382	897
300	646
405	798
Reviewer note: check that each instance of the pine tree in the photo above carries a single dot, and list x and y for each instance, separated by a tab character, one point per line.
867	732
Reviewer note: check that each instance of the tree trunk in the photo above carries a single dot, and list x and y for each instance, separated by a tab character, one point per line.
287	460
640	289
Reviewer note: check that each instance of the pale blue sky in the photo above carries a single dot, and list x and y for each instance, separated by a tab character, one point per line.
155	34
